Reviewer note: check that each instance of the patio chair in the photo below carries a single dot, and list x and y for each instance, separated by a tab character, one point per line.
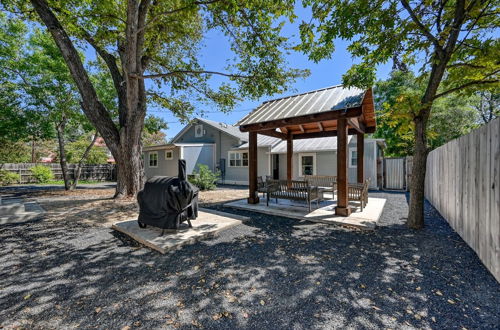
359	192
262	186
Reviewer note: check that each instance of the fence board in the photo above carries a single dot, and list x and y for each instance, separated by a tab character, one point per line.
100	172
463	184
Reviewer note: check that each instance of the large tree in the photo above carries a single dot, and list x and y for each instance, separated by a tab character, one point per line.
451	43
143	39
451	116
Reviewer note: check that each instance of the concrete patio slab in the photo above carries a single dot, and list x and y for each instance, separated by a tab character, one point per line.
16	210
367	219
208	224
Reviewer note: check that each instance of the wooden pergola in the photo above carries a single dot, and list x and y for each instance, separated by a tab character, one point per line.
334	111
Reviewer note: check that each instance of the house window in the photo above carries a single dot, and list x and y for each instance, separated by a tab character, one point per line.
153	159
238	159
169	154
307	164
198	130
353	158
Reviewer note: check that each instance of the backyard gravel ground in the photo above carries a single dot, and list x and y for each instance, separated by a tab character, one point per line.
268	273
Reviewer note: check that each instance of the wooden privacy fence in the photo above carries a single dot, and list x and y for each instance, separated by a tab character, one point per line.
100	172
463	184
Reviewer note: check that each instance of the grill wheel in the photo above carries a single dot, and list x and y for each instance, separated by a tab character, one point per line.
142	225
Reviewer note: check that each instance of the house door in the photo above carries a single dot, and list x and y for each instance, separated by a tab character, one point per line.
276	167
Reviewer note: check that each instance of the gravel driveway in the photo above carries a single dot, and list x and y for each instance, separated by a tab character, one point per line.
269	273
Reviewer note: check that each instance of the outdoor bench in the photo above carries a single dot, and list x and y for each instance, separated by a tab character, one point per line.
324	182
293	190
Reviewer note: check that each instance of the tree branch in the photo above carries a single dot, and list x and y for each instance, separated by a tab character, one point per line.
173	11
192	72
421	26
470	83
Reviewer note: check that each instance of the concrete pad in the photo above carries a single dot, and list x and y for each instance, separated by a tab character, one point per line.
324	214
16	210
208	224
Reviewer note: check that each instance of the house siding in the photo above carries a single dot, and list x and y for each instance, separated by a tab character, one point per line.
165	167
239	175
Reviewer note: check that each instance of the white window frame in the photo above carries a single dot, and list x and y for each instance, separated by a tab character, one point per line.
196	131
171	154
300	163
351	150
240	153
149	159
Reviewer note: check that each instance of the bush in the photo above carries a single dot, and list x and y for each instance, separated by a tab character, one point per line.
203	178
42	174
7	178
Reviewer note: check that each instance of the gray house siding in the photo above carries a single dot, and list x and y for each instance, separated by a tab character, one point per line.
326	163
166	167
239	175
370	163
198	154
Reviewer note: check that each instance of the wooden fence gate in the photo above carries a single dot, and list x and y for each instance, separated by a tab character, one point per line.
397	172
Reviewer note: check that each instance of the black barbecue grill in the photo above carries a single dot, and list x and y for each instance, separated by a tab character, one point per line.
166	202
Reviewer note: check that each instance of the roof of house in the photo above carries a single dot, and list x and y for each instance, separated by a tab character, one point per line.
304	145
226	128
317	101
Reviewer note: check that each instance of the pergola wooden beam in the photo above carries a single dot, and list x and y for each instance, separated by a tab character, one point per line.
323	116
274	133
360	149
350	131
357	125
252	168
342	207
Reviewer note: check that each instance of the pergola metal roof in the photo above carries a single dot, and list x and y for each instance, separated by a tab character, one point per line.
321	100
313	112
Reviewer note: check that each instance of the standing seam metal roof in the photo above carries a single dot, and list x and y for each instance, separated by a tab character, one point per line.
321	100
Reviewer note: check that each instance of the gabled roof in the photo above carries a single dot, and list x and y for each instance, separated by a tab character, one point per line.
226	128
313	102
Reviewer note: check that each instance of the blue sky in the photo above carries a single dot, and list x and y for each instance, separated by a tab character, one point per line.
326	73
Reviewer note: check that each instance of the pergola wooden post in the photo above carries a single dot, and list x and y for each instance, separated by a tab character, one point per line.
360	167
252	168
342	207
289	154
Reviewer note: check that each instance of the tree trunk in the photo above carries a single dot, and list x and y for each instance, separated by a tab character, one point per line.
417	182
62	153
78	167
123	142
33	150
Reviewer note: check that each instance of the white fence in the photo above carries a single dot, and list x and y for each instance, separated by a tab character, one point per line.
463	184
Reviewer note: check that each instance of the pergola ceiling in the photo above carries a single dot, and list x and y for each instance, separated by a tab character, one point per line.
315	114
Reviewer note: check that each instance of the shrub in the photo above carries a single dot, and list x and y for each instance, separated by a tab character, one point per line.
42	174
7	178
203	178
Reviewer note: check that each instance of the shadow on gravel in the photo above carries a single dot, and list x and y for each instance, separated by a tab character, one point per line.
268	273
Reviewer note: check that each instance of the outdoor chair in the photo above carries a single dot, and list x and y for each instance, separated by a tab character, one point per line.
293	190
358	192
262	186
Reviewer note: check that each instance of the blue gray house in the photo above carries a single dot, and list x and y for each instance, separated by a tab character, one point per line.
223	147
